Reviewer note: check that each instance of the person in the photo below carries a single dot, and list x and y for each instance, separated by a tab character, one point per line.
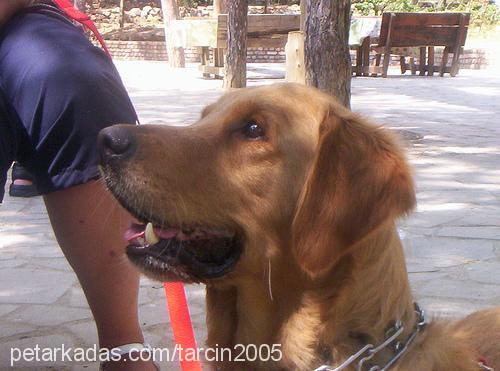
57	91
23	184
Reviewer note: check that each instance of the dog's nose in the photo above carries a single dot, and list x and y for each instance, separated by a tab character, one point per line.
115	143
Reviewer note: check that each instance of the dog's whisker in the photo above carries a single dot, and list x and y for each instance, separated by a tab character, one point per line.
150	210
166	247
179	250
99	202
106	219
269	281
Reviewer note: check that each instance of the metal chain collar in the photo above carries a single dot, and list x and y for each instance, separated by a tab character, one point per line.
399	348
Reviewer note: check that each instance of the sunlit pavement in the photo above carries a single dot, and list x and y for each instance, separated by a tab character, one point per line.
452	241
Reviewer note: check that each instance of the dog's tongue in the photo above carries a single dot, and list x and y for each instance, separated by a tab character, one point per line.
138	230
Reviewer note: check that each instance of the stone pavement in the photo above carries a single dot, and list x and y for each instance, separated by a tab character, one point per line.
452	241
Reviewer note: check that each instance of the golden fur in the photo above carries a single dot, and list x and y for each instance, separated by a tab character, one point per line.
322	270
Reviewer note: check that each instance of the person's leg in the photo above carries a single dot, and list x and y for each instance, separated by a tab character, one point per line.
89	225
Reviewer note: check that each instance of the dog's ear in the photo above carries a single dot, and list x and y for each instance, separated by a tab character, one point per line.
207	109
359	180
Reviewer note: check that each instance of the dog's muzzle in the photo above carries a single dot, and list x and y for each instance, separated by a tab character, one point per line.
116	144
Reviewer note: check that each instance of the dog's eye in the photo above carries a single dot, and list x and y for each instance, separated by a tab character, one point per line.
253	131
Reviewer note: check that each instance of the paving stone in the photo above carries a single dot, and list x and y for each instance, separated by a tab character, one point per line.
417	275
196	294
439	262
33	286
442	247
160	337
147	296
487	272
438	308
149	283
44	342
48	315
12	263
76	297
429	219
84	331
479	219
153	314
60	263
483	232
7	308
157	313
14	329
447	288
86	367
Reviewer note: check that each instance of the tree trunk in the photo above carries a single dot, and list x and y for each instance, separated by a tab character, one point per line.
303	14
80	5
327	58
122	13
235	72
171	12
220	7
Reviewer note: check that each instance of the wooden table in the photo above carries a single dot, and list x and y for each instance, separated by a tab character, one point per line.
264	30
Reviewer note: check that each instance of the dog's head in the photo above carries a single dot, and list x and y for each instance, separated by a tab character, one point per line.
264	170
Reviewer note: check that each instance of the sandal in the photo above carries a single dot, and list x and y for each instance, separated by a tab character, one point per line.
126	349
22	190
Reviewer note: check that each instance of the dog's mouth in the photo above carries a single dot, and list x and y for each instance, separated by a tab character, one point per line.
192	254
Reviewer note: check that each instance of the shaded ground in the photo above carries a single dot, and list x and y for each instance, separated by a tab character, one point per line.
452	241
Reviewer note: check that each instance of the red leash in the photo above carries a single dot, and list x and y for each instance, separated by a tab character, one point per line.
181	325
176	297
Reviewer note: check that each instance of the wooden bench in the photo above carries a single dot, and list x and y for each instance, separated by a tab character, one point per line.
422	30
264	31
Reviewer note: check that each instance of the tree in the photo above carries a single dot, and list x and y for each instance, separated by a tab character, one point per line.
220	7
327	58
303	14
235	72
122	13
171	12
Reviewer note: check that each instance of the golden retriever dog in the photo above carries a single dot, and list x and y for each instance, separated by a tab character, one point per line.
283	203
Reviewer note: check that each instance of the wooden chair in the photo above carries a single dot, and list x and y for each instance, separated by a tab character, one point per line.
424	31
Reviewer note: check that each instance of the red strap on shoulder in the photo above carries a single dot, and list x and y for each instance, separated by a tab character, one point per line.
67	7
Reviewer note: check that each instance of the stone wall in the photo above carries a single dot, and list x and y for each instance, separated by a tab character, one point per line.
155	50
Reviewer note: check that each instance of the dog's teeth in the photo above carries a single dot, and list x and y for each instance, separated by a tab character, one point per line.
150	235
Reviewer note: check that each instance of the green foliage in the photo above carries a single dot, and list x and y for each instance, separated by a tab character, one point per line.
483	12
193	3
377	7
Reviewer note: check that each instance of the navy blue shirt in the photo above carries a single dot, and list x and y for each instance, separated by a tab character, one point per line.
57	91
